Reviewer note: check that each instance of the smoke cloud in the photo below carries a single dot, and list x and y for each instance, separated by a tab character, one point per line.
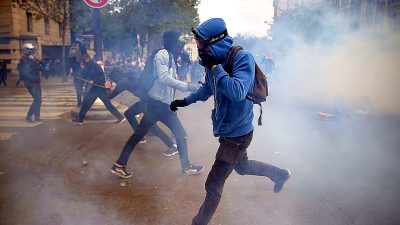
359	70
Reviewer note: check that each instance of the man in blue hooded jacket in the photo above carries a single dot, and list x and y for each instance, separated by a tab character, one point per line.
232	115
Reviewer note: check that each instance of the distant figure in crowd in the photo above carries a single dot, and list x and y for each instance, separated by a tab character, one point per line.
161	94
3	72
94	73
75	57
269	66
196	70
56	68
125	81
232	116
183	65
29	72
45	68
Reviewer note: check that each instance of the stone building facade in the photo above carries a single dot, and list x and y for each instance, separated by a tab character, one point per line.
18	26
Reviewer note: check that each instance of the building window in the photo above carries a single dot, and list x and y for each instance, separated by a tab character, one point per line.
29	22
5	51
46	25
4	40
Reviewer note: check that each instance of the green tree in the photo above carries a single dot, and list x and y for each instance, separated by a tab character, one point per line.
123	20
81	19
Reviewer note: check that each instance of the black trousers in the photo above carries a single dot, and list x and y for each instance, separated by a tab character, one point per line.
141	107
90	98
231	155
157	111
3	79
36	93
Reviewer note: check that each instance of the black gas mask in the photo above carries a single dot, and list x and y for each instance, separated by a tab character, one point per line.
207	59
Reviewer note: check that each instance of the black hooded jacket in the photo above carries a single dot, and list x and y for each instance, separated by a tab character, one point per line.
93	71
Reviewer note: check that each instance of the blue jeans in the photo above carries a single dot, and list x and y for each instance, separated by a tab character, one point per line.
157	111
231	155
141	107
36	92
78	85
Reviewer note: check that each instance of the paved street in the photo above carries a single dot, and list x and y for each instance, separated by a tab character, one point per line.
343	171
57	98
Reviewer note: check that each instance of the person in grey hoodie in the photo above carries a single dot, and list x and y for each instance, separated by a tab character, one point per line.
232	115
161	94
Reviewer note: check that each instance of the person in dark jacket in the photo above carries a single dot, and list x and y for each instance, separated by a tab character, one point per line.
232	116
28	69
95	74
196	71
3	73
183	65
75	57
160	95
130	83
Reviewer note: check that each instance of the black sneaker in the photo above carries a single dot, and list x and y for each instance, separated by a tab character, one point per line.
121	120
29	119
78	121
192	170
120	171
171	151
279	183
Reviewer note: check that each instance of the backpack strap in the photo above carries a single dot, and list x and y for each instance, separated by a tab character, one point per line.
228	68
229	59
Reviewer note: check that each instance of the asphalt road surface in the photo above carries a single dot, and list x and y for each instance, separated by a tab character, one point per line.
344	170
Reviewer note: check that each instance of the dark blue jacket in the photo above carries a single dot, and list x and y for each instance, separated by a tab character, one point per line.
93	71
28	70
124	84
232	115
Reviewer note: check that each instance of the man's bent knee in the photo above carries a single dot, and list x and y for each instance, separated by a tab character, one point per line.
242	169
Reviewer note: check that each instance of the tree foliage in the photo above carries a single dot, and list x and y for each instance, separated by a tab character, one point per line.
81	17
52	9
124	19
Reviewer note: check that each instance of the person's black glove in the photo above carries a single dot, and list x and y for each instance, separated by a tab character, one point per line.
178	103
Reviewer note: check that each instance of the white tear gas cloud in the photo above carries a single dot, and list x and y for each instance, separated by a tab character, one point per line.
359	69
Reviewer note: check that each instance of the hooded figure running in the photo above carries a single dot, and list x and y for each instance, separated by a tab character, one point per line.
161	94
232	116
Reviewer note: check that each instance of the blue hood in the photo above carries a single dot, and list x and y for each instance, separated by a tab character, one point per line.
212	28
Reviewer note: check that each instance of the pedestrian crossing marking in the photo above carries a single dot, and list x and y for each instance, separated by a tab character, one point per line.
15	103
5	136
